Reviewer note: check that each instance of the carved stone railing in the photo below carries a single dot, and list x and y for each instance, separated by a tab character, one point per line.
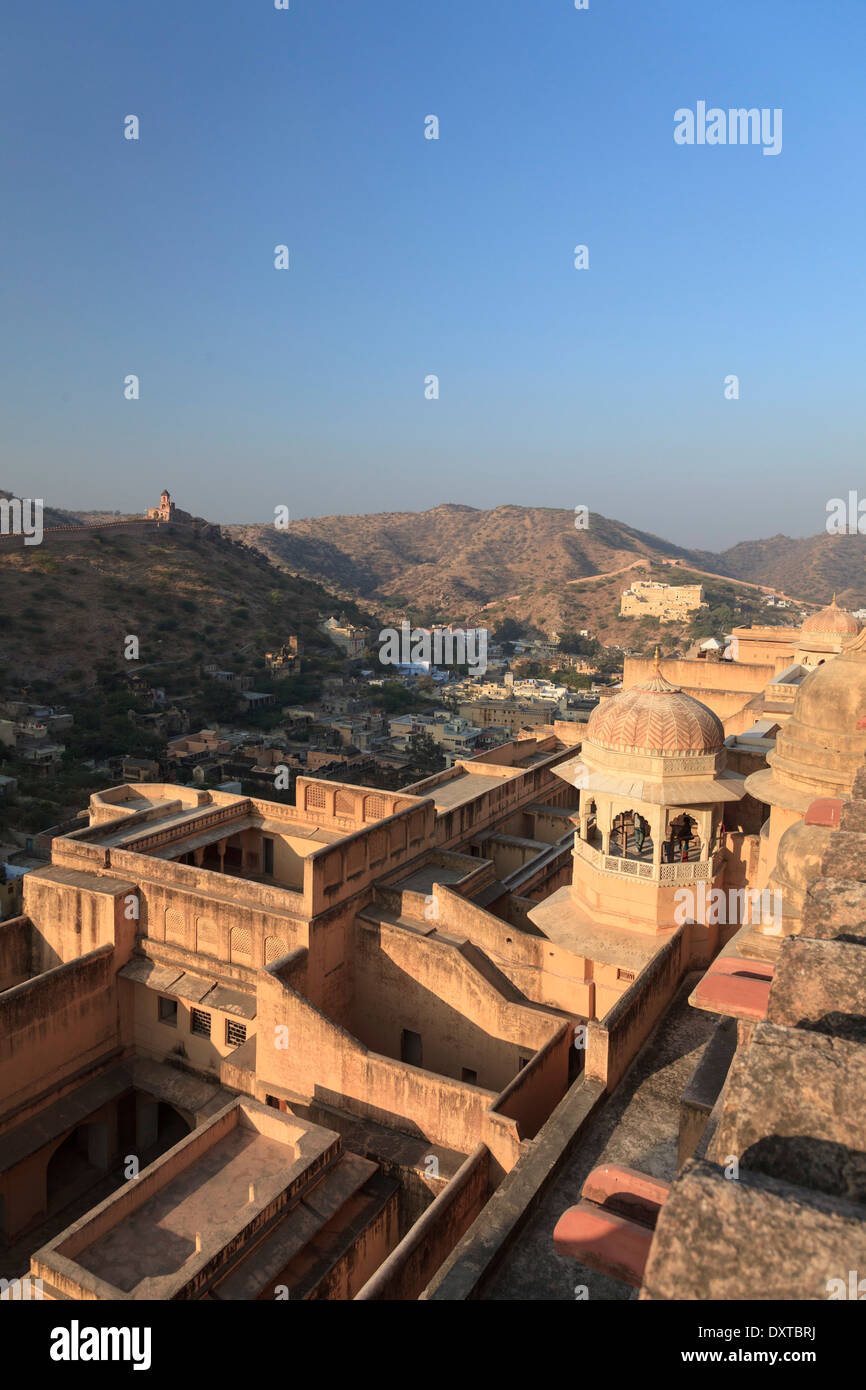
693	871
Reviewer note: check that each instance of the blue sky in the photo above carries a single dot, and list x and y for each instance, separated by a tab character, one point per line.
558	387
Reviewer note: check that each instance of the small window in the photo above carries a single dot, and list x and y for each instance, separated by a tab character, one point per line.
199	1022
168	1011
522	1062
236	1033
627	975
470	1076
272	1102
410	1047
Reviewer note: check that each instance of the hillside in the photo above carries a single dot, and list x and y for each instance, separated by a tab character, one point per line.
813	567
456	559
532	565
69	604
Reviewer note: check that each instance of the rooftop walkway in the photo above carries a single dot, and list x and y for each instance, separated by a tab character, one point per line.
638	1128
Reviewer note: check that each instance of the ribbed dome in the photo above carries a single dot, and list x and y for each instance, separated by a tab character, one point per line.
655	717
832	621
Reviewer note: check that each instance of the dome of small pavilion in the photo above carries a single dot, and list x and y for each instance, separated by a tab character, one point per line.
655	718
831	621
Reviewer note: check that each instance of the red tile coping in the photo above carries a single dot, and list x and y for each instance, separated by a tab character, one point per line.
737	996
628	1193
604	1241
742	965
825	810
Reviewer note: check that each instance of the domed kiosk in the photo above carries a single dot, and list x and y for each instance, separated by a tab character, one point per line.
654	786
831	621
824	635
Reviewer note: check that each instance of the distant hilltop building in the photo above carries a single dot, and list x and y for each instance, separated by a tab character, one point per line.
670	603
167	511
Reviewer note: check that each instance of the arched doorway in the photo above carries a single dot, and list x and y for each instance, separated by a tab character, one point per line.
171	1127
76	1165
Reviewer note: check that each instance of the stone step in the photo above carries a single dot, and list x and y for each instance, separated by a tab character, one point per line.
300	1225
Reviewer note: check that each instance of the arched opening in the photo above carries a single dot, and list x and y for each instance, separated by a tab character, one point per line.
631	836
74	1167
682	844
171	1127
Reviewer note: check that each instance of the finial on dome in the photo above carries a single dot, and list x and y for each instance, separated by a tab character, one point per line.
833	604
656	667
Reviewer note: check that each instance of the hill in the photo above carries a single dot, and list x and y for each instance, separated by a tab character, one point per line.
454	559
813	567
532	565
189	598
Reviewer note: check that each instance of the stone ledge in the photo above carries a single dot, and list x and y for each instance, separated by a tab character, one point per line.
753	1238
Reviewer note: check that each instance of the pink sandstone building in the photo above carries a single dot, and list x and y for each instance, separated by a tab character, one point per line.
340	1050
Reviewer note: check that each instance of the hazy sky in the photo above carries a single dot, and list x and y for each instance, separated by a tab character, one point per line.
453	257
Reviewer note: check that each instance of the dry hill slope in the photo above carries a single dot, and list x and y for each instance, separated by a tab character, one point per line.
68	604
456	560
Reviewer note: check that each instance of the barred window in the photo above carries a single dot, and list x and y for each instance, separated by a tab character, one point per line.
199	1022
236	1033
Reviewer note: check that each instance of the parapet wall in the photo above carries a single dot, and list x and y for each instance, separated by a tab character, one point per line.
412	1263
542	970
613	1042
451	998
56	535
16	951
325	1063
53	1025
